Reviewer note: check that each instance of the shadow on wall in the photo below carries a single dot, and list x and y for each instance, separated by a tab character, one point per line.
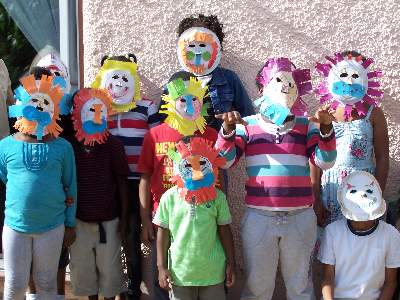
150	90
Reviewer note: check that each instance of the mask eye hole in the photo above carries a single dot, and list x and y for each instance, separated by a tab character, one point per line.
369	191
57	73
92	109
46	102
290	84
182	100
353	191
35	100
124	79
344	74
115	76
355	76
188	165
202	45
278	79
192	46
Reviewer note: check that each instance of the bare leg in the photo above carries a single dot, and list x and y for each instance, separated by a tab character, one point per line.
31	286
61	281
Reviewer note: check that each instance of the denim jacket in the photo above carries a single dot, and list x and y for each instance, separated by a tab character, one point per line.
226	93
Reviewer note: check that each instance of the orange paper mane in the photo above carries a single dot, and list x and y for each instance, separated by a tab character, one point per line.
199	147
45	87
79	100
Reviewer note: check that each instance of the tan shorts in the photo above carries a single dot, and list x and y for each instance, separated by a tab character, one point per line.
96	267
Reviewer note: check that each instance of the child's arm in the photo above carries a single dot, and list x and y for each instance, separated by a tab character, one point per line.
146	168
163	243
225	235
145	208
389	285
321	142
161	219
122	184
328	282
232	147
69	182
224	218
381	146
319	209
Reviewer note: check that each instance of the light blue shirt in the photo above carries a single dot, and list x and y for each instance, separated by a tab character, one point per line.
36	175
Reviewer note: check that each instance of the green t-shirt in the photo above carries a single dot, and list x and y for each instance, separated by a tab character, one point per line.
196	256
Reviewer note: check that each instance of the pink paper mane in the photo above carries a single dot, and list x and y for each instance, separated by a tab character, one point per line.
302	78
371	97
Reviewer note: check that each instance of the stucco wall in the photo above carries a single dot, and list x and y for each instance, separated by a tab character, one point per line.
303	30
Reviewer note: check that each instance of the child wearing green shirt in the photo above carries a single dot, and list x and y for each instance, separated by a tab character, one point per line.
194	241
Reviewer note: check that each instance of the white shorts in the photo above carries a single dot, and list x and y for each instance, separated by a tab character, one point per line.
96	268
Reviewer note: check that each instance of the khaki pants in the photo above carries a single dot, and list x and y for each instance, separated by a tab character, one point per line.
96	268
269	237
211	292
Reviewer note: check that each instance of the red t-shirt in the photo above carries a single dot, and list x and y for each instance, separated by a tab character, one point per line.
154	160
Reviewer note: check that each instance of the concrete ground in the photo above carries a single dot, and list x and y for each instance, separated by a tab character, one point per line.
233	294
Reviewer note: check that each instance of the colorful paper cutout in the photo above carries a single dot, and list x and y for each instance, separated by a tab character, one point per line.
122	81
92	108
283	87
347	83
196	167
184	106
37	108
199	51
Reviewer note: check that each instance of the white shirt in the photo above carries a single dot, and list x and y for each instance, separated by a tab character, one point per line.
360	261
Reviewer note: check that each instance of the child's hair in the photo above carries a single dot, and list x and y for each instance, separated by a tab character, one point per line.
185	76
353	53
126	58
210	22
38	72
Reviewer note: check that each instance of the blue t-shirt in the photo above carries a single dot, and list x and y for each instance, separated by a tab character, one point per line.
36	177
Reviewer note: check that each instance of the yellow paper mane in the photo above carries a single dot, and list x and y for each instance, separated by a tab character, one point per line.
111	65
182	125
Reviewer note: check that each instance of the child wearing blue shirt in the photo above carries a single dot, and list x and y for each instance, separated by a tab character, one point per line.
39	172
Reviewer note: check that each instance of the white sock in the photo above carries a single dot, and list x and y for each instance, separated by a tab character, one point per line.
31	296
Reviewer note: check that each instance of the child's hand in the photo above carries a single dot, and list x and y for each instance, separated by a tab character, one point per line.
69	236
230	120
147	233
323	116
230	275
69	201
123	228
164	278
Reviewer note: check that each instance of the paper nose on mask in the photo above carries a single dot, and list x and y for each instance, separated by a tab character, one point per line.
197	174
97	113
189	105
285	88
348	80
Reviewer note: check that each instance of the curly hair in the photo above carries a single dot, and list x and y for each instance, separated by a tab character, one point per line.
210	22
353	53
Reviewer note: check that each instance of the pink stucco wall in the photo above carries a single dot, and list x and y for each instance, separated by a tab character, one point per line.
304	30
